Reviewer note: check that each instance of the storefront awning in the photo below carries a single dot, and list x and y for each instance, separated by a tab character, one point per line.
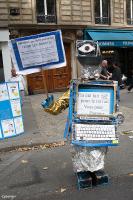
116	38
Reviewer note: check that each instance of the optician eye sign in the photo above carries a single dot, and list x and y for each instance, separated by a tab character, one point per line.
86	48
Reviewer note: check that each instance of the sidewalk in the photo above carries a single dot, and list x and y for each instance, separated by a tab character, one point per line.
42	127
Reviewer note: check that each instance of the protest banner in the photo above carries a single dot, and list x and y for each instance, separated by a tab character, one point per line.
35	53
32	53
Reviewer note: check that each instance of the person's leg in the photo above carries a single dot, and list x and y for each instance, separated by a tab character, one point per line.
118	93
130	87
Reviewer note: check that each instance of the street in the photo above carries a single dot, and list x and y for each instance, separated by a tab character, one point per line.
48	174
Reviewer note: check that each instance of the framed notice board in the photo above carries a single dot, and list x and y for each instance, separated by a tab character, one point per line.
43	50
11	120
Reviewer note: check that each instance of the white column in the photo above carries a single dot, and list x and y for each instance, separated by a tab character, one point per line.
73	62
101	9
6	60
45	7
131	7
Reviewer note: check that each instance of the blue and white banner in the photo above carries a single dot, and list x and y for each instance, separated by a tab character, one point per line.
11	120
31	53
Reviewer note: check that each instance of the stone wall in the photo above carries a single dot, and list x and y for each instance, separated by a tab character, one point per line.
118	12
70	12
75	12
24	7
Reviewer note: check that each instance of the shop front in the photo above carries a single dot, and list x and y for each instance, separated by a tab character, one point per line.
115	45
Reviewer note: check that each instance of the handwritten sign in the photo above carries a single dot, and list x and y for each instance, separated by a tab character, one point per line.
93	103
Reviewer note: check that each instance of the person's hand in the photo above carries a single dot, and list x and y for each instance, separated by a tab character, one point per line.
109	77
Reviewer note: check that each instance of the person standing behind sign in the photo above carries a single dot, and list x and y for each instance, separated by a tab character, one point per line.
131	82
105	75
18	78
117	76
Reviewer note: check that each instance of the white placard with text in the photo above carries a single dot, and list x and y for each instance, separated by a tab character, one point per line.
93	103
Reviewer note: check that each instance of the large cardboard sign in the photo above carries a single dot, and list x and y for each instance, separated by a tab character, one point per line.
11	121
33	52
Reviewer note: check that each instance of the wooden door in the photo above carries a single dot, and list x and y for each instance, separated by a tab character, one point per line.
62	76
35	83
56	79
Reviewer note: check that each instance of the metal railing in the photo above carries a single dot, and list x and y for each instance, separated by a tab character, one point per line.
129	21
42	18
102	20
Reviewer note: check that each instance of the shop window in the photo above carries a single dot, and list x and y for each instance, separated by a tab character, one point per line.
46	11
130	12
102	12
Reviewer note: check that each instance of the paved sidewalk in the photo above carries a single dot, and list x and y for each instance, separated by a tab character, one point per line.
42	127
48	174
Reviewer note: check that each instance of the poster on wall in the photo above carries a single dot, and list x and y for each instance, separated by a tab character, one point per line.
3	92
8	128
19	125
16	108
11	120
31	53
13	90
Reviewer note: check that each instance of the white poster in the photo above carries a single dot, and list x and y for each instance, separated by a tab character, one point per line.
93	103
19	125
24	72
13	90
16	107
3	92
31	53
8	127
38	51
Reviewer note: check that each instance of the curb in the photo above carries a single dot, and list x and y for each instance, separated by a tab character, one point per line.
32	146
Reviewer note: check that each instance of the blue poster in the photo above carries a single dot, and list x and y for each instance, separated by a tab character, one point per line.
43	50
11	121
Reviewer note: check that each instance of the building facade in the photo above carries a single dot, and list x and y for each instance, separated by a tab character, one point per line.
110	22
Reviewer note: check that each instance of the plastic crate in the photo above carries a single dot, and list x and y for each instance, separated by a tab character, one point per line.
101	177
87	179
84	180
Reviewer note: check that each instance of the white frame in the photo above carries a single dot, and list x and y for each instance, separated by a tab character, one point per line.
131	9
